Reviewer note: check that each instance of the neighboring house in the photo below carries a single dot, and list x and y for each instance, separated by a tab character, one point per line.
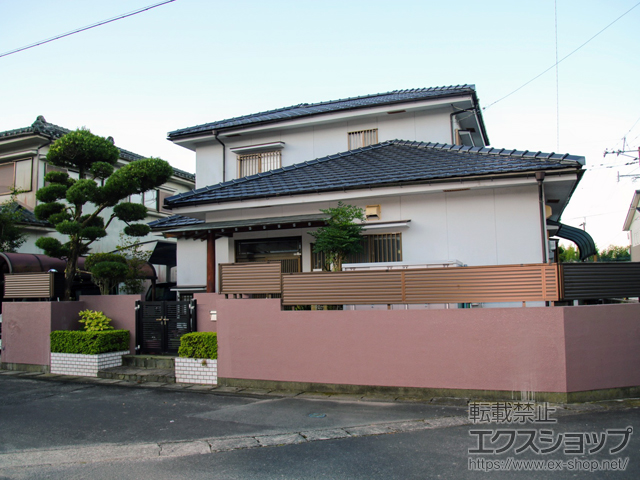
632	225
23	165
437	196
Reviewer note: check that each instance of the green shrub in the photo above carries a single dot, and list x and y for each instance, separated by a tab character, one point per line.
95	321
199	345
89	343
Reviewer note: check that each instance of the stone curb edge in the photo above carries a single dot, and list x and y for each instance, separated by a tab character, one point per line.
111	452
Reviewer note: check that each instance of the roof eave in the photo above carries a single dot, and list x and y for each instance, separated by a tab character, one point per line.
525	174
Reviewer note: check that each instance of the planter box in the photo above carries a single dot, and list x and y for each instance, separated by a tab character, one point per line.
84	365
192	370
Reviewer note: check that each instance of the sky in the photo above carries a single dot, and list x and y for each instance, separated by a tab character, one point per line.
190	62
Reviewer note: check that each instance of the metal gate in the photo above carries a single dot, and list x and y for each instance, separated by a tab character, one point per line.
160	325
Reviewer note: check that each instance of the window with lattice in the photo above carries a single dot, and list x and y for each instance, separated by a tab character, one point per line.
253	163
381	247
362	138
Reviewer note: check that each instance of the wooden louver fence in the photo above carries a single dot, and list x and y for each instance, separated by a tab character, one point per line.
29	285
502	283
250	278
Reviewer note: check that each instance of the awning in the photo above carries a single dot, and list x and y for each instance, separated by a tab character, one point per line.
582	239
229	227
34	262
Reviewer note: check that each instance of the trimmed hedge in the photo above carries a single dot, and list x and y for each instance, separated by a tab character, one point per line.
199	345
89	343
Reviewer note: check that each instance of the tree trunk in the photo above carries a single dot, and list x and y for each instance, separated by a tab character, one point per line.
71	268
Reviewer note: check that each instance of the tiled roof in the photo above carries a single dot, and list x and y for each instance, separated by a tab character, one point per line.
27	217
397	162
53	132
173	221
307	109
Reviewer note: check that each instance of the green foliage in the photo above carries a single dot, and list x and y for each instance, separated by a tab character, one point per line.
80	150
51	193
52	247
83	191
44	211
95	321
59	177
137	229
130	212
615	254
199	345
101	170
89	343
137	258
11	234
93	157
136	177
107	270
341	237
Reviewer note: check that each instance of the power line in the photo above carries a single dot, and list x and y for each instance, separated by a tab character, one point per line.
88	27
562	59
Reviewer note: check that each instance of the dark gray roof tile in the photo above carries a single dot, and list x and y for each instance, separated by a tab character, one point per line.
306	109
390	163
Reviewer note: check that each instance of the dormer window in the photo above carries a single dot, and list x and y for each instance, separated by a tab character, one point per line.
362	138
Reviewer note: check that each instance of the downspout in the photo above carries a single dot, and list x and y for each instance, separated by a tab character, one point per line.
224	156
543	221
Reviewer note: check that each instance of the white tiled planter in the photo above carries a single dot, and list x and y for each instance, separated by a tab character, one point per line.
196	370
84	365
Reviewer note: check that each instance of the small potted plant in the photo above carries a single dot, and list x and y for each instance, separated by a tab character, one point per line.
85	352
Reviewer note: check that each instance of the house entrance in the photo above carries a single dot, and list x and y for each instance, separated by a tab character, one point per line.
286	250
160	325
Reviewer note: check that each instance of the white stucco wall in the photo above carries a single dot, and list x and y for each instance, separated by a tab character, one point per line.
310	142
191	257
485	226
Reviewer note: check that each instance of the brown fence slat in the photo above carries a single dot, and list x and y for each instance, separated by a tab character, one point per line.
500	283
28	285
250	278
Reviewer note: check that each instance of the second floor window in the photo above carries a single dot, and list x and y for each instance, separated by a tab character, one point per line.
253	163
363	138
15	175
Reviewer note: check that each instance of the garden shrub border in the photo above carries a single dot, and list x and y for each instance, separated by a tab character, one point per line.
89	343
198	358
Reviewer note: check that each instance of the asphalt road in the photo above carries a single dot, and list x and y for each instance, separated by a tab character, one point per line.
74	430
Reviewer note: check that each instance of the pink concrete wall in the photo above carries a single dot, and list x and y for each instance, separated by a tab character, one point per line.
519	349
206	302
121	309
554	349
26	327
603	347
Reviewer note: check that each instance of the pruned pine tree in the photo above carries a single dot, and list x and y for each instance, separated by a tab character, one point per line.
78	208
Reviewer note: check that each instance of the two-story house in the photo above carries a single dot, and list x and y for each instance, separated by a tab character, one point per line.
23	166
416	160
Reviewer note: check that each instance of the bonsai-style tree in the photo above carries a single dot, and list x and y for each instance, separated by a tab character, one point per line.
341	237
11	235
74	207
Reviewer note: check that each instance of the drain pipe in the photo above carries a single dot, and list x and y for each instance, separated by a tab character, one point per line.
224	156
543	220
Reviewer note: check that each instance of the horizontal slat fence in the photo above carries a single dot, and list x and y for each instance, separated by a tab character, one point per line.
584	281
501	283
250	278
28	285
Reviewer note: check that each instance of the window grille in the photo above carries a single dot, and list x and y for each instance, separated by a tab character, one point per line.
363	138
382	247
253	163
